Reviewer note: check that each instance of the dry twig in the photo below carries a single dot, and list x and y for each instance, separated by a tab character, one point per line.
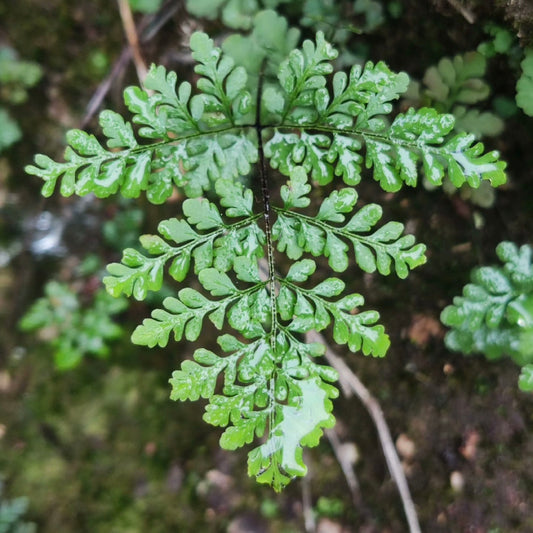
148	29
350	380
309	517
133	39
467	14
346	466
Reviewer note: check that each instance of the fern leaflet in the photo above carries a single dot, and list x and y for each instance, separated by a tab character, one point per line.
494	315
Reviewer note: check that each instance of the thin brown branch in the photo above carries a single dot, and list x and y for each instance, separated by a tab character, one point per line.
346	466
309	516
96	100
393	461
150	27
467	14
133	39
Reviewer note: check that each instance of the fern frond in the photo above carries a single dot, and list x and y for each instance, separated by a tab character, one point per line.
269	43
361	98
314	126
77	330
222	85
297	233
203	239
457	80
276	390
297	424
496	309
336	127
195	137
312	309
268	375
300	75
413	140
184	315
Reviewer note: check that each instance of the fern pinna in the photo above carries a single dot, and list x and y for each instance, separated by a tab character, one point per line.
313	127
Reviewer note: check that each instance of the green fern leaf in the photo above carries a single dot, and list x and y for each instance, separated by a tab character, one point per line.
359	100
269	43
118	132
193	143
351	118
293	407
314	126
309	310
478	123
496	309
524	86
286	151
458	80
138	274
297	233
224	95
183	316
280	458
301	270
165	112
237	199
525	382
294	194
78	330
301	74
467	162
196	380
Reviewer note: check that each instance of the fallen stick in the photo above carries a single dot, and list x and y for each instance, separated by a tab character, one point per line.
133	39
349	380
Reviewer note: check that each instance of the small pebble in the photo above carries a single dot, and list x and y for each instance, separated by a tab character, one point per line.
448	369
406	447
326	525
441	519
349	452
5	381
457	481
470	446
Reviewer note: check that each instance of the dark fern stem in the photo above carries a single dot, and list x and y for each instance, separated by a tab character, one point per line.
265	194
